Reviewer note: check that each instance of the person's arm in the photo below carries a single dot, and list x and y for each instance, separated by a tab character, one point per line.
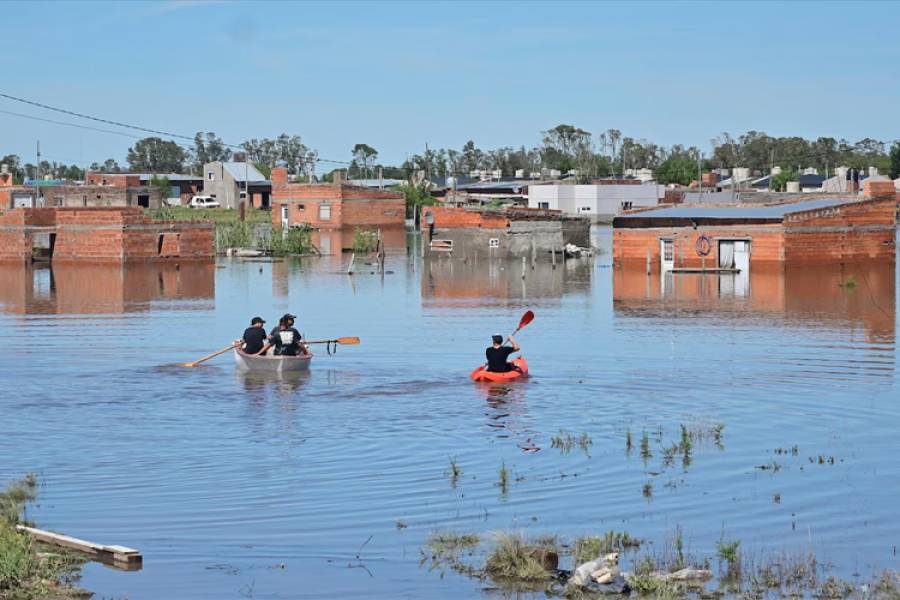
515	344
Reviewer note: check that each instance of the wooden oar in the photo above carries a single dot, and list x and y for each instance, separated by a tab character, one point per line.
341	340
213	355
527	318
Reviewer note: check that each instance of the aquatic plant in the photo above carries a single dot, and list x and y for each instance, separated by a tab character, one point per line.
645	447
364	240
454	471
515	558
628	444
400	524
849	283
647	491
585	442
564	441
15	497
590	547
679	549
503	478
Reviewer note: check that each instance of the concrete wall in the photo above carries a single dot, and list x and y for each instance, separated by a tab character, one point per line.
852	232
595	201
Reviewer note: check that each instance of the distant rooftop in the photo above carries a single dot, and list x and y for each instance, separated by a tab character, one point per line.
776	211
239	169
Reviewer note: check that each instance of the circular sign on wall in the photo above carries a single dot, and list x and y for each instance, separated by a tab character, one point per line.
704	245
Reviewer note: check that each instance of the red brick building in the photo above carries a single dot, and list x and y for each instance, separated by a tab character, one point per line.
101	234
328	206
818	230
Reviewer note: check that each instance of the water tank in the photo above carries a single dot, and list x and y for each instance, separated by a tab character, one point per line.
793	187
451	183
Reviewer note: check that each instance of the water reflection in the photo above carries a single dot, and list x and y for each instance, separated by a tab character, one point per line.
839	295
507	414
102	288
456	283
258	385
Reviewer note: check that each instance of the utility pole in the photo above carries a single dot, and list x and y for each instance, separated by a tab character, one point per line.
37	178
700	175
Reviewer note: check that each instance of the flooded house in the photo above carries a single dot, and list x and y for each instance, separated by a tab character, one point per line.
100	234
336	210
740	238
500	233
61	194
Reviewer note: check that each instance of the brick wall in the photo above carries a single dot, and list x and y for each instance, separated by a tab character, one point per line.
879	189
349	205
461	218
850	232
104	234
121	180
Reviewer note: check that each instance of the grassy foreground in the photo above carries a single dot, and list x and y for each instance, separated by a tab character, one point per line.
27	572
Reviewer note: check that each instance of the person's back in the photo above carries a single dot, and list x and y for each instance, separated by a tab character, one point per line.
254	338
498	355
287	340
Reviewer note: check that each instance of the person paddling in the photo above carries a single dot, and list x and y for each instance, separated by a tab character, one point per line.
498	355
254	339
287	340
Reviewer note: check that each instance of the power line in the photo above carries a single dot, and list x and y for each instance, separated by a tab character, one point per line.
128	126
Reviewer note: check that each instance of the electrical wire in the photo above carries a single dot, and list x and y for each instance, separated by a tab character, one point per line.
128	126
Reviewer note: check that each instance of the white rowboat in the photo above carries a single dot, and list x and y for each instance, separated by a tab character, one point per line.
271	364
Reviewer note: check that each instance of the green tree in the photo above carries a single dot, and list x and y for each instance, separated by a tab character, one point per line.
779	182
416	196
364	156
679	168
895	160
156	155
208	148
163	185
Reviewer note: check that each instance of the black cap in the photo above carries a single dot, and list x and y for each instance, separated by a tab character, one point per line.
288	316
256	320
498	339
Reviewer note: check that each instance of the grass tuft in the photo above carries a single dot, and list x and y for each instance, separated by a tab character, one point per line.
515	558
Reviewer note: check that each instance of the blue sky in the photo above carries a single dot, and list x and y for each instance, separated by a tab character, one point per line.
400	75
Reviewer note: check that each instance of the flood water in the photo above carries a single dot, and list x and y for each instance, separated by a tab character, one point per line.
234	486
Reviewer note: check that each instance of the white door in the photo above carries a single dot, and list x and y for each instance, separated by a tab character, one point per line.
742	263
285	221
667	255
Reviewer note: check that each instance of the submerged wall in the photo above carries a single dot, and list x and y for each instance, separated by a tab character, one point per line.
101	234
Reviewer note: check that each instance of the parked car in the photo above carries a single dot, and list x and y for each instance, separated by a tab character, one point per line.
204	202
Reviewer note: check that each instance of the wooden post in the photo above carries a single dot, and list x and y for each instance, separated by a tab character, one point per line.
553	256
350	267
649	264
533	252
523	267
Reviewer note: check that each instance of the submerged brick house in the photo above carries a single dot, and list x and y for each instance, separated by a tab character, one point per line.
336	207
100	234
824	229
501	233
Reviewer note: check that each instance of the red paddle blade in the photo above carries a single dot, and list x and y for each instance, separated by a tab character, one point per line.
527	318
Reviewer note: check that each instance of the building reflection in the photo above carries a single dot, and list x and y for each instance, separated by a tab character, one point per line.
102	288
857	295
456	283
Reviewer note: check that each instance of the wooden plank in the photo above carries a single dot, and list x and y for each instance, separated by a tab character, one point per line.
118	556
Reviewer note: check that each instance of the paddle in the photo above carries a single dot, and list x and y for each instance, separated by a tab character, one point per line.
527	318
341	340
213	355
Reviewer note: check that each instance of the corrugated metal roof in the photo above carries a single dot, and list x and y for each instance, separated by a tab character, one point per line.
238	169
738	212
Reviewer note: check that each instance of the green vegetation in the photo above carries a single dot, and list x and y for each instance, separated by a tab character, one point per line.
678	169
589	548
364	240
503	478
645	446
163	185
26	573
293	241
780	181
895	160
454	471
416	197
565	441
849	283
515	558
628	442
214	215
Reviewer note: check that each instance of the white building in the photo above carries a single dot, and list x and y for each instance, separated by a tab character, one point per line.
595	201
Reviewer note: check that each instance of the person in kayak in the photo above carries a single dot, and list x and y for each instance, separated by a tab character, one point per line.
287	340
498	354
254	339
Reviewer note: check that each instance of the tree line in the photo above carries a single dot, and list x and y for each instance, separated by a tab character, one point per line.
564	148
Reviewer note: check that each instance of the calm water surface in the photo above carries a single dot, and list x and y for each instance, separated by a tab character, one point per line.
221	478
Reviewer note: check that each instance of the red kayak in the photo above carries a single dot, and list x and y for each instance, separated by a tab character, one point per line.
480	374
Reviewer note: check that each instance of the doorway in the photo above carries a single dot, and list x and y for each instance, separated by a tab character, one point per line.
667	255
285	215
734	254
